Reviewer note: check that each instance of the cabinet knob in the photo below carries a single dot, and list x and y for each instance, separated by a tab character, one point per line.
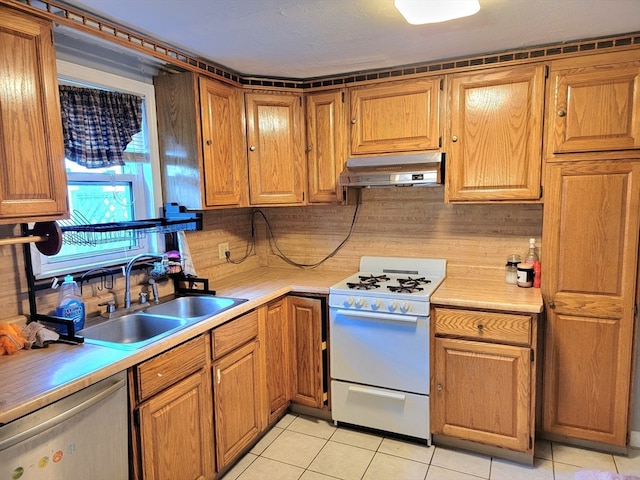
552	304
208	142
252	148
309	148
561	113
439	387
454	138
353	121
480	327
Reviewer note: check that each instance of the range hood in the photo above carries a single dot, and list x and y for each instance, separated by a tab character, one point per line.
414	170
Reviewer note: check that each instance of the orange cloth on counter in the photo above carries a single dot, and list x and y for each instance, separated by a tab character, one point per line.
11	339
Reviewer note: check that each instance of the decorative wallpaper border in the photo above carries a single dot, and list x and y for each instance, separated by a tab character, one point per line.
88	23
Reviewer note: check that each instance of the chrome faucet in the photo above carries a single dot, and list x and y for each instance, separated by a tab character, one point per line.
127	274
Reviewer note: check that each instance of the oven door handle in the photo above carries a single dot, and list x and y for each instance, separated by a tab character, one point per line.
377	393
393	317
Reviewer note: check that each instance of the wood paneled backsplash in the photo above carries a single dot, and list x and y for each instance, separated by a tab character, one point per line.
405	222
409	222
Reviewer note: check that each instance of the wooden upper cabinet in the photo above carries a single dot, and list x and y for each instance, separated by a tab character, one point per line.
225	175
33	181
201	135
590	234
594	104
401	116
275	138
326	145
494	137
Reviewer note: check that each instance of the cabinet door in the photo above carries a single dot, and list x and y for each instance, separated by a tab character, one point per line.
33	181
326	145
590	234
595	107
225	174
482	393
176	432
396	117
277	172
276	346
236	401
305	323
494	146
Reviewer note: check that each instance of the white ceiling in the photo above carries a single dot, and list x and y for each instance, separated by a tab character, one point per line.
314	38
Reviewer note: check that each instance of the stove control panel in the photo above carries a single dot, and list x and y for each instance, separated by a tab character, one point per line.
383	305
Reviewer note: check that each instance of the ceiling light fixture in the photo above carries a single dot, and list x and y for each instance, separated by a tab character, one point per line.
418	12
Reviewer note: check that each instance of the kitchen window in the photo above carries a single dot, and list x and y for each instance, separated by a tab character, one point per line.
109	194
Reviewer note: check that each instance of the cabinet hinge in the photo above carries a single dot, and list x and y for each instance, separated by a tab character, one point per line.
342	97
541	191
440	142
530	443
300	100
532	355
546	71
442	84
136	417
635	310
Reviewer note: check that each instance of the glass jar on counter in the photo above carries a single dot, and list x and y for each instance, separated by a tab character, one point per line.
511	269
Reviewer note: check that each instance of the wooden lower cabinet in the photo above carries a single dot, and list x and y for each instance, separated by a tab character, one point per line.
176	432
306	351
590	233
237	391
173	415
277	368
483	378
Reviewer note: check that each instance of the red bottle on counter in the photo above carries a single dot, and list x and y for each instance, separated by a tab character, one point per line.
536	274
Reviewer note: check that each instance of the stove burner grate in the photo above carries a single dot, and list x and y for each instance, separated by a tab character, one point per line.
363	285
413	281
374	278
405	288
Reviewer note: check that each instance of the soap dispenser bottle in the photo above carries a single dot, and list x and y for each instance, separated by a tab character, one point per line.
70	305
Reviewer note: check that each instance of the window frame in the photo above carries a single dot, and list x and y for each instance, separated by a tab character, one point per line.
151	181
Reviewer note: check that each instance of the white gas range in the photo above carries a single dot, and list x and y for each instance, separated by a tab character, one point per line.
379	337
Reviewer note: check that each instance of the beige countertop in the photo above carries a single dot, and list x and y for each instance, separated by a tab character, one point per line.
487	290
32	379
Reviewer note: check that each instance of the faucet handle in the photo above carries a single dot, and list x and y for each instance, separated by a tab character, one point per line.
143	297
111	306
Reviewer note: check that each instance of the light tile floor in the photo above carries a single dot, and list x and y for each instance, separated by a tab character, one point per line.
305	448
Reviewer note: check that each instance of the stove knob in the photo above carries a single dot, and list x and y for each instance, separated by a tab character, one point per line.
405	307
376	305
393	306
349	302
360	303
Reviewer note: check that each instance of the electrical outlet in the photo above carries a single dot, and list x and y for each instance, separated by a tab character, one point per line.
223	248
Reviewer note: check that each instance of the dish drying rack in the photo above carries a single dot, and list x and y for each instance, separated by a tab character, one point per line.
78	230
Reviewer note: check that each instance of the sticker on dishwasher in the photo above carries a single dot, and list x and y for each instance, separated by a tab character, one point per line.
57	456
43	462
17	473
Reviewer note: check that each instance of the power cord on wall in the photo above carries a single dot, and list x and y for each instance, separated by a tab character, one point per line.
275	249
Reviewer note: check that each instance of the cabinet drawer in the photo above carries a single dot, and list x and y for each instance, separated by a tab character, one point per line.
235	333
170	367
502	327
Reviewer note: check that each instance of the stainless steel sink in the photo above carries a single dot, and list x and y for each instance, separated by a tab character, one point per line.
135	330
131	331
193	307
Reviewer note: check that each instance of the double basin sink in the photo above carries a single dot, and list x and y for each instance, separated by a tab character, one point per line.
137	329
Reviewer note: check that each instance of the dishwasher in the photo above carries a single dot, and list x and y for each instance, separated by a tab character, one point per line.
84	435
